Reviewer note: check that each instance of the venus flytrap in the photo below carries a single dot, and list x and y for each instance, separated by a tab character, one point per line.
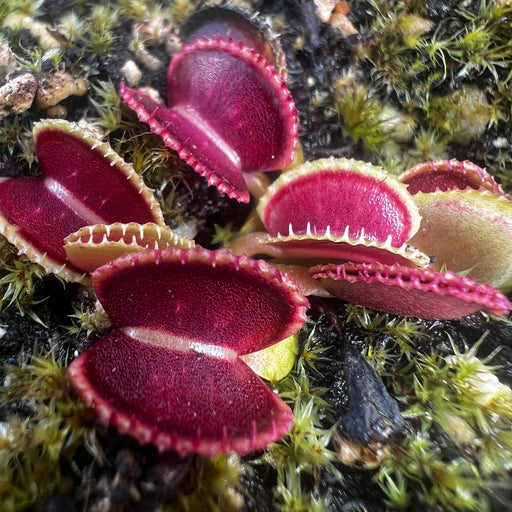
418	472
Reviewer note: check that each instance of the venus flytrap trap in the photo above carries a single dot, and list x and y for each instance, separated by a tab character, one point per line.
254	307
363	237
21	273
223	163
73	162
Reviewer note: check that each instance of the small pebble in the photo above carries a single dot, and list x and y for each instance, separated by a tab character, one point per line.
131	73
43	32
145	58
153	32
6	59
152	93
324	9
17	95
57	112
173	44
53	88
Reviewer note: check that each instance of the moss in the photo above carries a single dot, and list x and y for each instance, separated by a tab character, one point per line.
304	457
137	10
37	449
416	473
19	279
453	453
461	115
99	35
108	107
482	43
360	114
402	337
161	169
89	319
16	137
214	484
449	74
224	235
180	10
26	7
454	401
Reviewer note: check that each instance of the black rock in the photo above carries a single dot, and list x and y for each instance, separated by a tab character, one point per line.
372	415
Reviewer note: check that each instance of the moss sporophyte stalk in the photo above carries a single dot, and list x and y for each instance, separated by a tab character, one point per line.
171	194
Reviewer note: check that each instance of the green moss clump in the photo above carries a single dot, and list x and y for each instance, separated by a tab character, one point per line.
451	76
403	335
454	453
19	279
213	484
108	107
37	448
26	7
180	10
99	35
16	138
305	456
454	401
